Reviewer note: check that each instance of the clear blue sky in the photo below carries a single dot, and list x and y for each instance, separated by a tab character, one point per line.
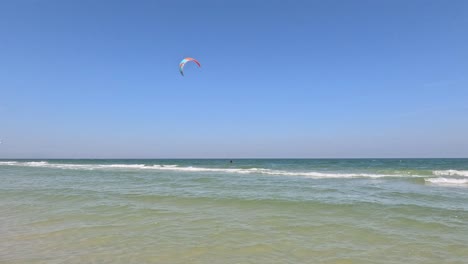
99	79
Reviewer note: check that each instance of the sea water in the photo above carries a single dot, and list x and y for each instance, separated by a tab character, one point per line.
247	211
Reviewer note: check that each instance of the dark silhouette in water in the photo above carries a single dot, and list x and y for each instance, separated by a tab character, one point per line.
230	161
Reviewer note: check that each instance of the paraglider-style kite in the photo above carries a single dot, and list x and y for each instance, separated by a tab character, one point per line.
184	61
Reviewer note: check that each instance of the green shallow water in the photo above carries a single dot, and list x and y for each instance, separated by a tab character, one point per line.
250	211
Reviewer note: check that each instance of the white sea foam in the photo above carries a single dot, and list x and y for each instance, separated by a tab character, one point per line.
123	166
441	180
8	162
451	173
36	163
309	174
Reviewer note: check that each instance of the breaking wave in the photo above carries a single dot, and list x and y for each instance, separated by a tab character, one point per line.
451	176
451	173
264	171
451	181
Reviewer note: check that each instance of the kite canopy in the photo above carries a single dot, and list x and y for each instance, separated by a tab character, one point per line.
184	61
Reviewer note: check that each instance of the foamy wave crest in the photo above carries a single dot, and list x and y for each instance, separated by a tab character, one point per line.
261	171
36	163
447	181
45	164
8	162
451	173
309	174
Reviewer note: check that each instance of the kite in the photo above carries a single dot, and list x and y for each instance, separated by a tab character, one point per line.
184	61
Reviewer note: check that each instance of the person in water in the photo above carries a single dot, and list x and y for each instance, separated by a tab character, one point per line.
230	161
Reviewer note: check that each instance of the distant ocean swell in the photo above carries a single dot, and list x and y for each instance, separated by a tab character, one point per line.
456	177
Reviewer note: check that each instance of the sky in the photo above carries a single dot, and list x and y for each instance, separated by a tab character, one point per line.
279	79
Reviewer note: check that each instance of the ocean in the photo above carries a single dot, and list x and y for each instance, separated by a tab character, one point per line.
247	211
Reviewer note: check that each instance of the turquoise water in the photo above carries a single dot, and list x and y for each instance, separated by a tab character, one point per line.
250	211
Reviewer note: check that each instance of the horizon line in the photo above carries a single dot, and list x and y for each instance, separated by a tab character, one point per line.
244	158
